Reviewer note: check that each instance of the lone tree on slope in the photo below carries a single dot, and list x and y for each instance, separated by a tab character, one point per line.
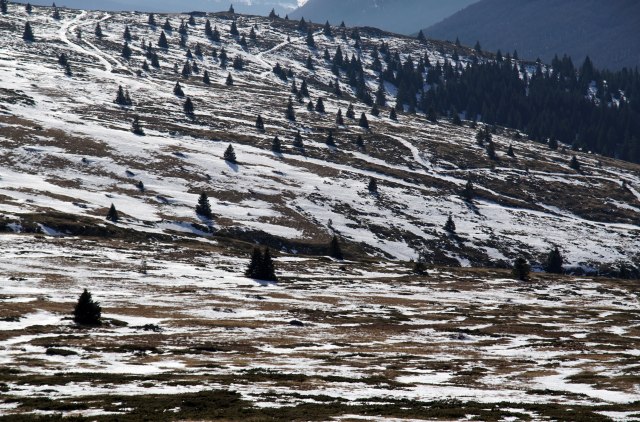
28	33
136	126
230	155
450	226
87	312
203	209
112	214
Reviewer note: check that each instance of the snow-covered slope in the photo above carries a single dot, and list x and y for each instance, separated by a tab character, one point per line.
68	152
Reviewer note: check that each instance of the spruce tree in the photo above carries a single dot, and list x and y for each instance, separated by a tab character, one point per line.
86	311
339	118
468	193
28	33
510	152
420	265
112	214
375	111
450	226
304	90
432	116
234	29
327	30
136	126
421	36
268	271
254	264
456	118
3	6
62	59
67	70
229	81
364	123
151	20
491	150
260	123
310	41
477	47
122	98
360	142
127	34
297	141
252	34
192	21
373	186
203	208
56	14
291	114
167	25
98	30
230	155
334	249
162	41
276	145
177	90
272	14
330	141
126	51
28	8
232	10
205	78
393	115
521	269
238	63
320	105
554	261
188	107
351	113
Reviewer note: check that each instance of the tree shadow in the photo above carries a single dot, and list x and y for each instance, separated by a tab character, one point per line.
232	166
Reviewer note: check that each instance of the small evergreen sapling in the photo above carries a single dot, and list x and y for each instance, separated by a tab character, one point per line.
276	145
297	141
373	186
230	155
98	30
177	90
450	226
229	81
574	164
291	114
162	41
27	35
87	311
330	141
260	124
468	193
364	123
320	105
188	107
203	208
112	214
136	126
339	118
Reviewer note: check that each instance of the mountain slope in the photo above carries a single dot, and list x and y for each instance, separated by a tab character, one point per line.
604	30
400	16
256	7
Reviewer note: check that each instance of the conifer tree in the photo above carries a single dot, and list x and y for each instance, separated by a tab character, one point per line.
112	214
267	270
234	29
67	70
455	119
177	90
491	150
167	25
421	36
62	59
122	98
254	264
28	8
374	110
56	14
205	78
98	30
252	34
136	126
450	226
188	107
230	155
334	249
330	141
243	41
327	30
162	41
127	34
339	118
360	142
151	20
223	58
297	141
477	47
238	63
86	311
229	81
208	31
28	33
364	123
272	14
468	193
291	114
260	123
393	115
187	70
521	269
373	186
310	106
203	208
3	6
554	262
432	116
304	90
192	20
310	41
232	10
310	62
420	265
276	145
351	113
126	51
510	152
155	61
215	37
320	105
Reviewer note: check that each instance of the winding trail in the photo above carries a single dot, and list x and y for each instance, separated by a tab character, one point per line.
71	25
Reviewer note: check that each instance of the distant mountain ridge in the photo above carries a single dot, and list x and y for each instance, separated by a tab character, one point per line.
607	31
400	16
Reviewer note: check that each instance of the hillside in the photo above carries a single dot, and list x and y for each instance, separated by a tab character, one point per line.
606	31
185	335
402	17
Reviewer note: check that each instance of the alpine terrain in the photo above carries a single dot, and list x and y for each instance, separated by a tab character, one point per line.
221	216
